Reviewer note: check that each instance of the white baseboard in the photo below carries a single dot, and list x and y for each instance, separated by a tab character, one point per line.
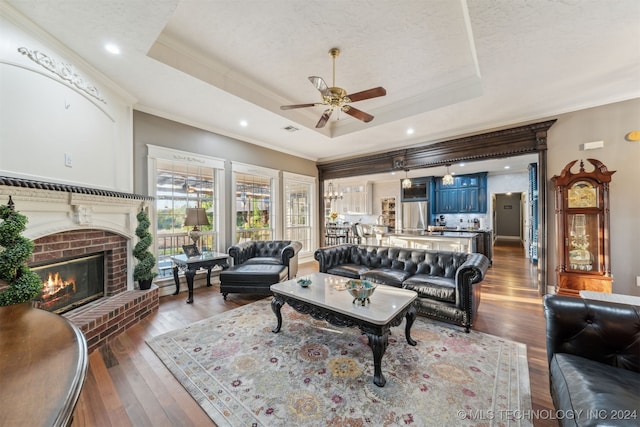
515	238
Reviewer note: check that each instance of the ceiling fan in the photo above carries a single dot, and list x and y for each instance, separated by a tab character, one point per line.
336	97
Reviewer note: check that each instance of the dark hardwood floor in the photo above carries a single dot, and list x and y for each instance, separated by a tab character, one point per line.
127	385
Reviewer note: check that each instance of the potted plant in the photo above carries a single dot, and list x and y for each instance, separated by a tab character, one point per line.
143	271
22	284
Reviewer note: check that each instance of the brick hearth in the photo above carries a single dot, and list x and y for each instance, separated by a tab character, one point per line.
107	317
120	308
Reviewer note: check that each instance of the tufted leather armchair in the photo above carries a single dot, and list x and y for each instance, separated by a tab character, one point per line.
444	281
284	252
593	351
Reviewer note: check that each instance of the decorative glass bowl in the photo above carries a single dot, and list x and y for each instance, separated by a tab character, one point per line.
360	290
304	282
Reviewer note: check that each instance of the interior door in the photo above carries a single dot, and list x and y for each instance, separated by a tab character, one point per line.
508	216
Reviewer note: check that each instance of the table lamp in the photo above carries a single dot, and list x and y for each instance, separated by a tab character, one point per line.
196	217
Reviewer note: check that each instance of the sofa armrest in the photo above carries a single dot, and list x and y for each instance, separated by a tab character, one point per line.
473	269
331	256
242	252
606	332
470	272
289	255
290	251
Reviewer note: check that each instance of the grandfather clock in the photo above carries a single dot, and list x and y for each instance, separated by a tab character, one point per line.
582	229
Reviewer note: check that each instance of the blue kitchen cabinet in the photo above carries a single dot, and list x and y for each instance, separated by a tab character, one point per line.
467	194
468	200
447	201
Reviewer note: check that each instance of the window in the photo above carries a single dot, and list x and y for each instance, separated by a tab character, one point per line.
298	207
183	180
254	207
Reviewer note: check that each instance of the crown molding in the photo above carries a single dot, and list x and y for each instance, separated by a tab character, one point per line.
518	140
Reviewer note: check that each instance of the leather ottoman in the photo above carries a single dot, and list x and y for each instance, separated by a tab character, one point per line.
252	278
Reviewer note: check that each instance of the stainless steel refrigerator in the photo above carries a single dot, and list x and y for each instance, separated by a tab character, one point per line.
415	216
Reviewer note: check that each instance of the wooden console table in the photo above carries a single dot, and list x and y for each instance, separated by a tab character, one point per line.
43	364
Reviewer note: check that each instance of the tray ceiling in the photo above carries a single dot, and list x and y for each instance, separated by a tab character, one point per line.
450	68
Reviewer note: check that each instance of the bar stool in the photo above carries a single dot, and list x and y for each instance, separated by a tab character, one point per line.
331	234
358	233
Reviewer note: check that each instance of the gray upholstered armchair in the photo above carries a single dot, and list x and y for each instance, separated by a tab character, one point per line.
284	252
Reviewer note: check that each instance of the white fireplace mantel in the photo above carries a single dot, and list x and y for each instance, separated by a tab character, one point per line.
51	211
53	208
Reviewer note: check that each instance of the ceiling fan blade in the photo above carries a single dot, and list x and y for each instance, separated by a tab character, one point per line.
358	114
325	118
320	85
367	94
290	107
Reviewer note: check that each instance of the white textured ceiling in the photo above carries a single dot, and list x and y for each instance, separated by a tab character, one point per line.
450	67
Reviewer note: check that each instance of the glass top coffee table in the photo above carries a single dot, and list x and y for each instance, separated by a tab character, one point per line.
323	300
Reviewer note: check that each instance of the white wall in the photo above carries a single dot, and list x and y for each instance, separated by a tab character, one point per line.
55	105
383	190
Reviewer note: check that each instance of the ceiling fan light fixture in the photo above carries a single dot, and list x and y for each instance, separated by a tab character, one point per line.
447	179
335	97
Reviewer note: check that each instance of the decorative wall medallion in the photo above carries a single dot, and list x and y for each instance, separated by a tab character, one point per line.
398	162
62	70
83	215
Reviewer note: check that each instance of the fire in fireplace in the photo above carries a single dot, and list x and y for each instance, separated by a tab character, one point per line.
70	283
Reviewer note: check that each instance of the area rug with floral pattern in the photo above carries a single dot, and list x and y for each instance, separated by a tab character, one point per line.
315	374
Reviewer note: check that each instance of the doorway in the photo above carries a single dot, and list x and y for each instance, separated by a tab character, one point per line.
508	218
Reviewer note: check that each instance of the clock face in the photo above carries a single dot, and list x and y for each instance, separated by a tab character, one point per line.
582	194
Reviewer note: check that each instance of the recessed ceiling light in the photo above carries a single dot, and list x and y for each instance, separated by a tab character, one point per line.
461	165
112	48
507	167
244	123
410	131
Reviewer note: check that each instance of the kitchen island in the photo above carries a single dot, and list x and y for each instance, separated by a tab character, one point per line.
484	243
435	240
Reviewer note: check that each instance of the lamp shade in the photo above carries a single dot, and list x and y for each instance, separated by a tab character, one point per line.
196	216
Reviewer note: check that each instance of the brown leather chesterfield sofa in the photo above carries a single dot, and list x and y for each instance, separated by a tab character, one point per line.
593	350
446	282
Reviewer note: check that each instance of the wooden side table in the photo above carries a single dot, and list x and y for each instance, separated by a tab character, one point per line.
190	265
43	365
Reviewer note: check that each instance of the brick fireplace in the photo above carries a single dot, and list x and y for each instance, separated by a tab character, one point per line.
70	222
70	245
71	283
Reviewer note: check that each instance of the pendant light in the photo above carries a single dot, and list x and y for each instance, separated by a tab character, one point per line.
447	179
406	182
332	194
